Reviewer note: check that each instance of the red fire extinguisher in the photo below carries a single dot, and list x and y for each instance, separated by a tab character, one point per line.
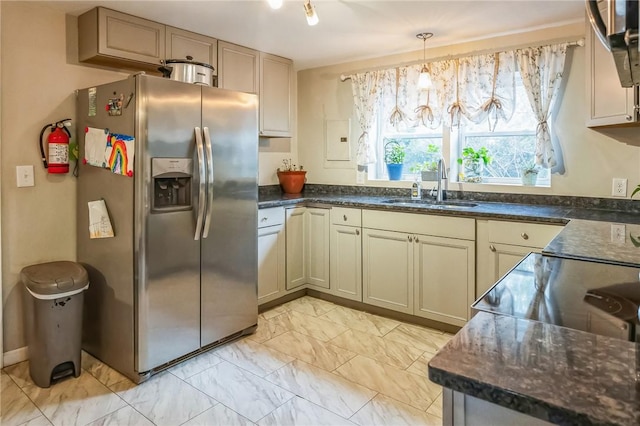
57	160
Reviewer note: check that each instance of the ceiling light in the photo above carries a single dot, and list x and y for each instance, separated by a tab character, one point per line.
275	4
310	11
424	81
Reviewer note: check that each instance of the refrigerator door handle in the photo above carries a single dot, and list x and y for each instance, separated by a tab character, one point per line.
202	171
209	149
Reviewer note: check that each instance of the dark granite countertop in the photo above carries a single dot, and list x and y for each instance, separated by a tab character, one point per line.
587	235
484	209
558	374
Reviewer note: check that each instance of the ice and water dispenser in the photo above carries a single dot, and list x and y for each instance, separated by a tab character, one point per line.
172	178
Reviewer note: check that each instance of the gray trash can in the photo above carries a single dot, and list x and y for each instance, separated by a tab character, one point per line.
54	319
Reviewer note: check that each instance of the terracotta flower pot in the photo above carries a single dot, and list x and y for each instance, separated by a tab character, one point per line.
292	182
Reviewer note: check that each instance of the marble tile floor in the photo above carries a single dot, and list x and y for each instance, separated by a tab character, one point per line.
310	362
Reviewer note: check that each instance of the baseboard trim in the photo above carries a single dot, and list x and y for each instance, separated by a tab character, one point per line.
15	356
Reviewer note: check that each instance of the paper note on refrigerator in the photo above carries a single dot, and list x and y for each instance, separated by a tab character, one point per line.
99	222
95	141
119	153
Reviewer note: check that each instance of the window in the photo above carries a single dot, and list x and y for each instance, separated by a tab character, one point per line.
420	145
511	145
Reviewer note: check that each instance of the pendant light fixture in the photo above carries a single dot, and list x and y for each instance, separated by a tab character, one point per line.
424	81
275	4
310	11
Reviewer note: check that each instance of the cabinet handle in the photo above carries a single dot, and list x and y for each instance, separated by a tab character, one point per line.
409	238
628	117
492	247
344	217
357	232
416	239
524	236
264	219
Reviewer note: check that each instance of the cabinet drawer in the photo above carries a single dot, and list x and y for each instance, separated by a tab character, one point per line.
522	234
345	216
438	226
270	217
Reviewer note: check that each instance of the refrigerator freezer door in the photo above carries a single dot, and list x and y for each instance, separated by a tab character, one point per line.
229	253
168	261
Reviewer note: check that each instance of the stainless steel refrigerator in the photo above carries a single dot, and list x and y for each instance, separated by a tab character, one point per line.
180	274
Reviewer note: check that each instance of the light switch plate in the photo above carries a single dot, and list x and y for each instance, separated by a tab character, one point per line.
24	176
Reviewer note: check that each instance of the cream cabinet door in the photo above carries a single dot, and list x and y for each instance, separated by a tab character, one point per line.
276	75
271	263
239	68
180	44
387	269
444	278
608	102
296	224
346	262
106	36
317	250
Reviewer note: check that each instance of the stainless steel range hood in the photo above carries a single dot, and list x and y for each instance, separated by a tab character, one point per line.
619	35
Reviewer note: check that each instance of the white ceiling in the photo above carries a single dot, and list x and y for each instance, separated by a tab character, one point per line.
348	29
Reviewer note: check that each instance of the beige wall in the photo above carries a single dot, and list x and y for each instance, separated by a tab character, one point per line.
38	223
591	159
38	84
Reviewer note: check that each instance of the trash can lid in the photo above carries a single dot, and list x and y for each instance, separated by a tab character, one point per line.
54	277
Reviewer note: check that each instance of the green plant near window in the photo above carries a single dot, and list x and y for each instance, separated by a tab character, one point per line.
394	153
470	154
530	169
473	163
431	164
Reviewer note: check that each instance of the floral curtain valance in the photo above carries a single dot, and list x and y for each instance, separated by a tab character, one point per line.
478	88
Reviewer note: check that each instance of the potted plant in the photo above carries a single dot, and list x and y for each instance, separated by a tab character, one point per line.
394	154
473	163
429	168
529	174
291	177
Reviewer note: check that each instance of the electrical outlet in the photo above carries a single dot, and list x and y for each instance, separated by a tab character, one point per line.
618	232
619	188
24	176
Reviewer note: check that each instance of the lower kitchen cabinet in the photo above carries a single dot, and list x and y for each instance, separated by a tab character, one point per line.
429	272
296	247
345	253
345	260
501	245
271	254
307	230
317	244
444	282
387	269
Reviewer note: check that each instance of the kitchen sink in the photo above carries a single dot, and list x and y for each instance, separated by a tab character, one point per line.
430	204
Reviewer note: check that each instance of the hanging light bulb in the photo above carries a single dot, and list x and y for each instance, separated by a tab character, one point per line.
275	4
424	81
310	11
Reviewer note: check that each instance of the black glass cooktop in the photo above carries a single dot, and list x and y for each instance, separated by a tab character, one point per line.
589	296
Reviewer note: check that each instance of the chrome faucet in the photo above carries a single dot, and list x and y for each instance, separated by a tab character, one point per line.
441	194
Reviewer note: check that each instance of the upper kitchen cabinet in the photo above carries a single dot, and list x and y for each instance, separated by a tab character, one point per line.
107	37
608	102
275	96
181	44
239	68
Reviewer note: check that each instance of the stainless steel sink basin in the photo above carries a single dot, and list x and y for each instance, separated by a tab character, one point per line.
454	205
432	205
